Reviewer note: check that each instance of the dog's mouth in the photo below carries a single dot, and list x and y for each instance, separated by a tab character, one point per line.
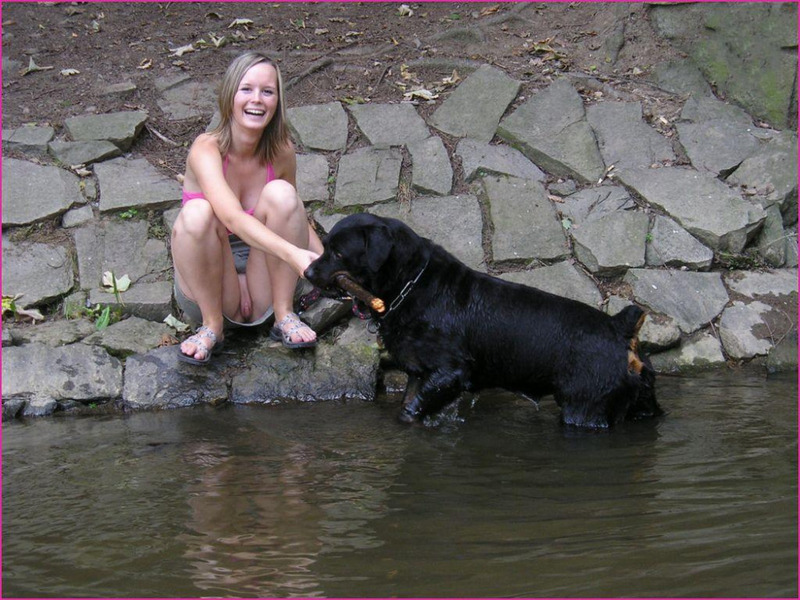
347	284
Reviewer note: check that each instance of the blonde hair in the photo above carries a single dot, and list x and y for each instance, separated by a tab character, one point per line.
276	134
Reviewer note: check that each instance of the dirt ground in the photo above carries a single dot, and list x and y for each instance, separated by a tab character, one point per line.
351	52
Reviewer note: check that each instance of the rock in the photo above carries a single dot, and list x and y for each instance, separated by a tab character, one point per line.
562	279
592	203
755	285
52	333
659	333
319	126
77	216
368	176
131	336
158	380
454	222
28	139
312	177
387	125
480	158
611	244
39	272
771	175
83	153
698	352
681	77
152	301
344	372
703	205
692	299
738	330
771	242
672	246
134	183
474	108
119	128
524	221
783	356
741	50
551	130
34	192
431	172
624	139
181	98
717	136
74	372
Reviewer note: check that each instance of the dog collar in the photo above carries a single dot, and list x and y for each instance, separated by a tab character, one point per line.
405	291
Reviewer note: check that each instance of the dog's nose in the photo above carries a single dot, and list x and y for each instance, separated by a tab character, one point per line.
309	272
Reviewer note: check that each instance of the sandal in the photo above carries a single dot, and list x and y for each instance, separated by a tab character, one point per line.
198	339
277	332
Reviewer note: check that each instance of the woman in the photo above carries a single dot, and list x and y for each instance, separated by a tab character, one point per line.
242	238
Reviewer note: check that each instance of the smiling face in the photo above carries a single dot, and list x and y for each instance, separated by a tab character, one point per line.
257	98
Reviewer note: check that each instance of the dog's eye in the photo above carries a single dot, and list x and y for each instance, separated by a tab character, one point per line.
337	255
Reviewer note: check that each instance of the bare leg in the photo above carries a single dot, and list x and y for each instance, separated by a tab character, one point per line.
272	281
204	267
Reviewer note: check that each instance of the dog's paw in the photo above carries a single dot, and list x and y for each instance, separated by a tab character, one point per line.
408	416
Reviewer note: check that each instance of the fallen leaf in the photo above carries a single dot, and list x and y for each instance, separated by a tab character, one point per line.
119	284
70	72
33	67
405	10
240	23
145	64
490	10
177	325
421	93
182	50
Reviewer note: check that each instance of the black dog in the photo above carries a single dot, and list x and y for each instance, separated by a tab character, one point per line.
454	329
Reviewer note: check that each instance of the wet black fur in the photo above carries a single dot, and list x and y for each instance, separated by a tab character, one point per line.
459	329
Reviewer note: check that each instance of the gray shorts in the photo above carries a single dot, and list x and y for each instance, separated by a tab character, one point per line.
241	251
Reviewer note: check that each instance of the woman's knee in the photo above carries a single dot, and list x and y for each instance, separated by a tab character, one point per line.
196	219
278	198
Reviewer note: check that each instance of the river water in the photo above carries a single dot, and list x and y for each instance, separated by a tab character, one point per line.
341	500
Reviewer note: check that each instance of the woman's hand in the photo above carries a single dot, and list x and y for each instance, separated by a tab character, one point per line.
300	259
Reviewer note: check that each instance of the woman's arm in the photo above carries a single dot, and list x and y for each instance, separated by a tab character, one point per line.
205	166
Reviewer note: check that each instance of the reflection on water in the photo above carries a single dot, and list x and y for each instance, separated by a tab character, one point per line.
340	500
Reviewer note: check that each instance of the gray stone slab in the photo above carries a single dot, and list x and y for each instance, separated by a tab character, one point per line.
74	372
475	107
368	176
130	336
319	126
40	272
34	192
77	217
699	352
386	125
481	158
551	129
680	77
83	153
50	333
119	128
28	139
151	301
561	279
312	177
611	244
454	222
339	372
624	139
672	246
708	209
770	175
158	380
742	330
134	183
592	203
526	225
758	284
182	98
717	136
692	299
771	241
431	171
122	247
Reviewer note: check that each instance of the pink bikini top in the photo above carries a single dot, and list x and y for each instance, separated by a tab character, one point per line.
195	195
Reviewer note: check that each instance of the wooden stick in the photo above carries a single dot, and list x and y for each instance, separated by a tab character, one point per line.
351	287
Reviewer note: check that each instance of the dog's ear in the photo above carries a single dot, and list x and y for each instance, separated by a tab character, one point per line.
377	245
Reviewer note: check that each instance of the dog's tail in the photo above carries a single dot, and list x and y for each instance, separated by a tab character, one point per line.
628	322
